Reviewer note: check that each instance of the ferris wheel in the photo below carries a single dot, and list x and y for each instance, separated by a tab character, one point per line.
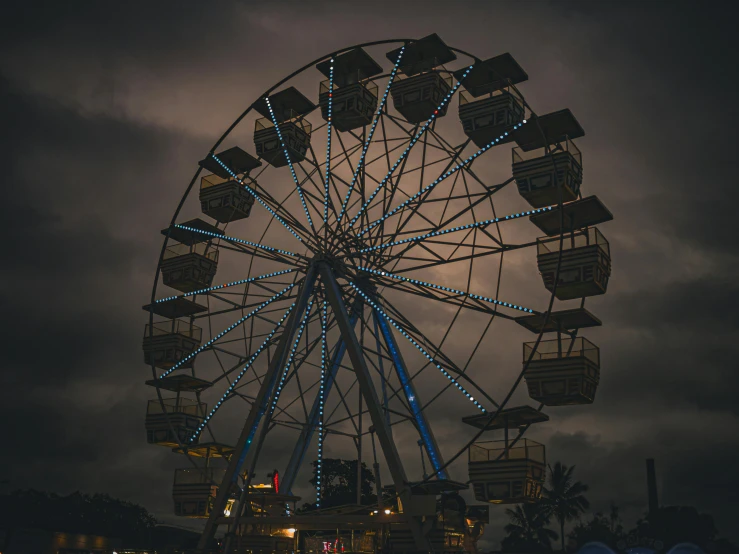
337	289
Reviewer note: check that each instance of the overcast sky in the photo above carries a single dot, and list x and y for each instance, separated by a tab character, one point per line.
107	107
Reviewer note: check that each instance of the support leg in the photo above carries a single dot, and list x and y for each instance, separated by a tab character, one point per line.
261	403
306	435
373	403
424	429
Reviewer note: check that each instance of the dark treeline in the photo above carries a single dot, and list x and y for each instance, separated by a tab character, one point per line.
540	527
89	514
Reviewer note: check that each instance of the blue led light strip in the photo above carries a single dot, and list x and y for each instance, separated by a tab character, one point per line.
283	378
226	331
256	196
440	179
234	239
243	371
287	157
410	145
447	289
410	395
328	140
371	133
322	400
458	228
231	284
420	348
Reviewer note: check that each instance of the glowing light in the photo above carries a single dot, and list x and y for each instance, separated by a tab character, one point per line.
459	228
226	331
408	148
371	133
420	348
231	388
226	285
287	157
436	182
234	239
328	141
256	196
447	289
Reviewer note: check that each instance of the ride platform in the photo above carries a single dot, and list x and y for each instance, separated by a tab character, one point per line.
563	320
180	383
422	55
235	159
577	215
490	75
286	104
206	450
175	308
556	127
185	236
509	418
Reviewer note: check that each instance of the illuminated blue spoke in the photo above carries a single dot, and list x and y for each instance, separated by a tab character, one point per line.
371	133
420	348
322	400
410	145
234	239
289	163
446	289
231	284
226	331
285	371
459	228
256	197
328	140
440	179
243	371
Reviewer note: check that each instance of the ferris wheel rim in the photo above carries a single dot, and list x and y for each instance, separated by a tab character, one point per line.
233	126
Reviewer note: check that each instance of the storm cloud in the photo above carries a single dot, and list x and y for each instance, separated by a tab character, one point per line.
106	109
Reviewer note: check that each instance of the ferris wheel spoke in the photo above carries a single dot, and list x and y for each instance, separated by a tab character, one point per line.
441	178
420	348
420	197
327	381
238	241
411	397
367	143
234	383
470	209
417	337
412	143
226	331
257	198
461	258
279	207
289	162
478	225
449	295
225	285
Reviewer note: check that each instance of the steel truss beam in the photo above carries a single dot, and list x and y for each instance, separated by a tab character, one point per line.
424	429
306	435
259	408
395	464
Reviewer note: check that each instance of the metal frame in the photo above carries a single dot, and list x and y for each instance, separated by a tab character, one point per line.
381	235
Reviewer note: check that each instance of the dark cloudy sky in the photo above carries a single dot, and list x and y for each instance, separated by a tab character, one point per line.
106	107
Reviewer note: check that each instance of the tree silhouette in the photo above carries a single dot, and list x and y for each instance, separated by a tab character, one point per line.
527	531
97	514
564	496
676	524
600	528
339	483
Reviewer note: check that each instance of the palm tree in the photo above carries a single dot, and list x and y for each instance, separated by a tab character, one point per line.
564	497
528	524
